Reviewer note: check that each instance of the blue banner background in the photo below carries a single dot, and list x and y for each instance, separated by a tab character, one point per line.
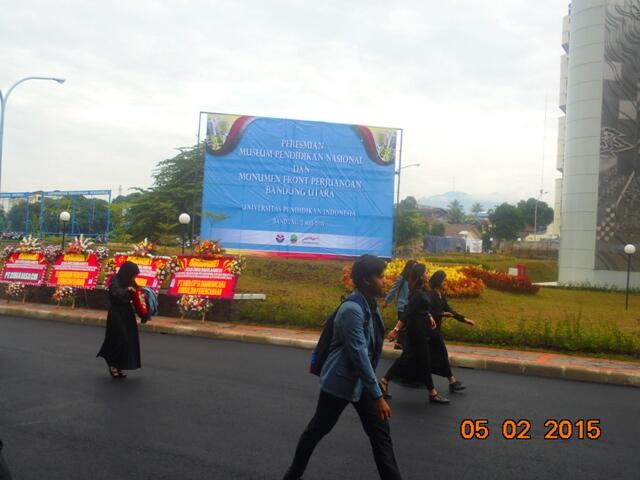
290	186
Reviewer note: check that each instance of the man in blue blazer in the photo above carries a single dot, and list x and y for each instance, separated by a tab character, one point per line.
348	375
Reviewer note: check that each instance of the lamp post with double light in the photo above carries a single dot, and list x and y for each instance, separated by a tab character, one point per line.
3	106
397	217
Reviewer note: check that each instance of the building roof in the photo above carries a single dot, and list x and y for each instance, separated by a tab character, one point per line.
456	229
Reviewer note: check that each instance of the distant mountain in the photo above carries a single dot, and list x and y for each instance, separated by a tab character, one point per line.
467	200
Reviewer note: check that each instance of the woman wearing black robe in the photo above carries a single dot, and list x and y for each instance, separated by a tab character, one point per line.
439	310
414	365
121	347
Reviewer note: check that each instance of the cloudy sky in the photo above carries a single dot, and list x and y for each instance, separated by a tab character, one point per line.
466	80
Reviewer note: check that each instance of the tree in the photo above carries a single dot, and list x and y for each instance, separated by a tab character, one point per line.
411	227
476	209
507	222
120	206
88	215
3	220
177	188
455	212
437	229
528	210
409	203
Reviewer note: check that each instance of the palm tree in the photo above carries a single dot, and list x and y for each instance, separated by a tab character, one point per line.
455	212
476	209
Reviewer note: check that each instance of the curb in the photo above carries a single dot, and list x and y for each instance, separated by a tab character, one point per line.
459	360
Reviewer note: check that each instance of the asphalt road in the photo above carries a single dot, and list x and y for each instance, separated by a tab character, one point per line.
205	409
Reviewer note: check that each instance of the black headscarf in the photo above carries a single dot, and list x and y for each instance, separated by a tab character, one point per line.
437	279
416	276
127	274
406	271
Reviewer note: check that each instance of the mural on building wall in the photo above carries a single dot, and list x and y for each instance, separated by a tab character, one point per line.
619	181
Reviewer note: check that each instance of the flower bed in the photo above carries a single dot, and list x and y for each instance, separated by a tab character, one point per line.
458	284
64	296
502	281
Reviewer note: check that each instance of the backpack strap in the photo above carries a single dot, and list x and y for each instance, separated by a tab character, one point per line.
360	300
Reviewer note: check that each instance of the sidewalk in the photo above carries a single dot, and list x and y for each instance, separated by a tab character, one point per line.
482	358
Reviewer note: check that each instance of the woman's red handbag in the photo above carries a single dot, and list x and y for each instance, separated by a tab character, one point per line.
140	304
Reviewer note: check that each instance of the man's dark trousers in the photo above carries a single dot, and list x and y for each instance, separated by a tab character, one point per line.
327	413
4	470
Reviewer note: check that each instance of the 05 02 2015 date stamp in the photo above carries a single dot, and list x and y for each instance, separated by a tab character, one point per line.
511	429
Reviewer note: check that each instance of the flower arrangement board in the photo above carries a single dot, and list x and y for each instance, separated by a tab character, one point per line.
149	268
23	267
204	277
75	270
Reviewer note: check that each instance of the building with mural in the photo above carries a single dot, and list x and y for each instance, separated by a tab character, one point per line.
599	143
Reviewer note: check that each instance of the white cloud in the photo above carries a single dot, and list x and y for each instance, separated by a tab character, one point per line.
466	79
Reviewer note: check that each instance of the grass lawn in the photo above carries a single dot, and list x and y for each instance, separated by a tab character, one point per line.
302	293
554	305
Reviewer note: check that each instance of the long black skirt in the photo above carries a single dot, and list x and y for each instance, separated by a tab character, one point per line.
439	355
421	357
121	347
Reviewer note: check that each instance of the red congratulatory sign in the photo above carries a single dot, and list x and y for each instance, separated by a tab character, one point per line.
75	270
204	278
148	266
26	268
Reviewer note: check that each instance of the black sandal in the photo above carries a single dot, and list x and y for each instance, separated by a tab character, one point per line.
456	387
116	373
439	399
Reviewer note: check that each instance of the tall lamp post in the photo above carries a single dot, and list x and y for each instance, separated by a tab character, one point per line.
395	229
630	250
64	220
3	105
185	220
535	216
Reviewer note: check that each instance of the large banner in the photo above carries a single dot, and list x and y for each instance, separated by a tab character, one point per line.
27	268
211	278
298	187
75	270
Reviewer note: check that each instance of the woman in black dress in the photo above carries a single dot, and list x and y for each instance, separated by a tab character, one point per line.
121	347
439	310
414	365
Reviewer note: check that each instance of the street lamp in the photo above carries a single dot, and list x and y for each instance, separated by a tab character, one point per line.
3	105
64	220
184	220
395	230
630	250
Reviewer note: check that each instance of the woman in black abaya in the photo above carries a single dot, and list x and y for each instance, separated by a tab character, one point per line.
414	365
121	347
440	309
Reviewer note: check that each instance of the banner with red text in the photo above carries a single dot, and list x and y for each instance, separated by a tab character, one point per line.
26	268
211	278
148	266
75	270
